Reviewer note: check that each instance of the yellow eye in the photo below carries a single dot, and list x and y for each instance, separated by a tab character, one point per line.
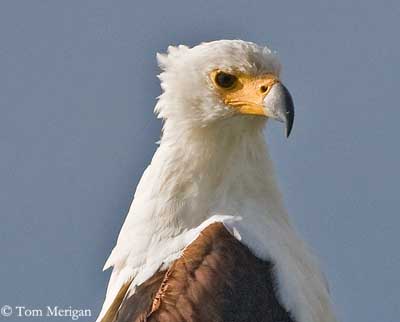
225	80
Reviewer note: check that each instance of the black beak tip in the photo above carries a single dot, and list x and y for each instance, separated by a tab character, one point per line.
289	111
288	132
289	123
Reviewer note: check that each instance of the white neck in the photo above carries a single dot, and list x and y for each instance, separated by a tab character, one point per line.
222	166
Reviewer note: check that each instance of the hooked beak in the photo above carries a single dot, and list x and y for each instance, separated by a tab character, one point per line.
262	95
278	104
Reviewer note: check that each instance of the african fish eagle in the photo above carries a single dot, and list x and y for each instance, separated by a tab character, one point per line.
207	237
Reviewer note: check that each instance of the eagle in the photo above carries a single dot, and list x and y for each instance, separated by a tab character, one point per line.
207	237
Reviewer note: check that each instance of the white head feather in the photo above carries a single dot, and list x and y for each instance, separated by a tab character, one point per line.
189	99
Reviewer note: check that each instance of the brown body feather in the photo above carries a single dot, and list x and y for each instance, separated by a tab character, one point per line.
217	279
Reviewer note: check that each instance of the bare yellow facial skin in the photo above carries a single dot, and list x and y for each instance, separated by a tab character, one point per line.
247	93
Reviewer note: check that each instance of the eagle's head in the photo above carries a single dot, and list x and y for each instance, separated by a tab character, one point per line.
222	80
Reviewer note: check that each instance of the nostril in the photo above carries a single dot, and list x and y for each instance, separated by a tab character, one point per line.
264	89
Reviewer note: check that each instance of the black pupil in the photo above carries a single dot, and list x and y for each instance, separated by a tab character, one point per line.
225	80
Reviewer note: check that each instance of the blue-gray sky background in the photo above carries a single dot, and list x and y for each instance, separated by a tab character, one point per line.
77	90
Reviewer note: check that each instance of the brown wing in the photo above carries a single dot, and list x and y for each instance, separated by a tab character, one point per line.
217	279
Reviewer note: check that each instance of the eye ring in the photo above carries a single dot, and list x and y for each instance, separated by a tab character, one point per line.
225	80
